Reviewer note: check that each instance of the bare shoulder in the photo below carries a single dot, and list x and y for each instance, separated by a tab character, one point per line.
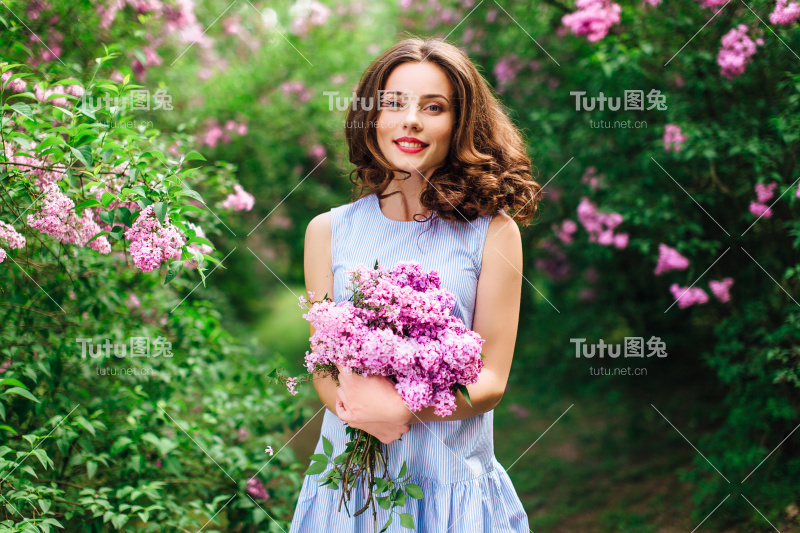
503	246
503	231
318	231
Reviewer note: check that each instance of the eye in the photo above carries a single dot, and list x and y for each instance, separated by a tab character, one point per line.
394	104
439	108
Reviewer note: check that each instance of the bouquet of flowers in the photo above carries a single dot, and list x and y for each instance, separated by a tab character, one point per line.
398	324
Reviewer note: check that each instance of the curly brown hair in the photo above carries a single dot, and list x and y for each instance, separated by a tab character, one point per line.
487	167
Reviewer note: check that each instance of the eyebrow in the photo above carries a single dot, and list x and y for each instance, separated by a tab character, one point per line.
423	97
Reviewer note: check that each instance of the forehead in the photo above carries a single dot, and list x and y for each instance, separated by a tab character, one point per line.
419	78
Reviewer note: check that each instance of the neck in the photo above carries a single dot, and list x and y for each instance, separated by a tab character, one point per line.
404	202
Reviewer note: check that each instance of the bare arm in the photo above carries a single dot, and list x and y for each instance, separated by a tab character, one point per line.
496	319
319	279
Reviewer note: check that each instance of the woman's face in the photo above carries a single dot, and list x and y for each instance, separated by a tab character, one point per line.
412	138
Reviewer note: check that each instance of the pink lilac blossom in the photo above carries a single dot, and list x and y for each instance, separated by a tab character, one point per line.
737	49
133	301
721	289
760	210
765	192
555	265
317	153
17	85
46	173
398	323
35	8
712	3
591	178
58	219
153	243
652	2
152	59
673	138
600	226
669	259
688	296
51	51
296	87
5	366
9	238
785	13
239	200
797	192
255	487
587	294
268	450
215	133
308	14
518	410
291	383
565	231
507	68
593	18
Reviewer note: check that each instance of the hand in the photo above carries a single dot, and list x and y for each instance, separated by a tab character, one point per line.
384	431
371	399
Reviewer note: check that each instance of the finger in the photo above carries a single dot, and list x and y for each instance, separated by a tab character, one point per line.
341	412
340	394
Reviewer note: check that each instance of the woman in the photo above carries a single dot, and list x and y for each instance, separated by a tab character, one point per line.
440	162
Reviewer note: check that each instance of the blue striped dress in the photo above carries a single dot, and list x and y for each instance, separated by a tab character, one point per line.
466	489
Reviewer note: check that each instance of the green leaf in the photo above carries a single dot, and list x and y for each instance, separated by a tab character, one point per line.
43	457
106	216
98	235
12	382
201	240
50	141
341	458
327	446
400	499
45	505
21	392
160	209
120	444
415	491
189	192
465	392
86	424
173	270
406	520
107	198
119	520
384	501
83	154
91	468
381	485
388	523
23	109
319	457
193	155
91	202
403	470
314	468
124	215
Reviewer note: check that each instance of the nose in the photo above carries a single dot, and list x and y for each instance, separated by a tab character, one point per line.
411	118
